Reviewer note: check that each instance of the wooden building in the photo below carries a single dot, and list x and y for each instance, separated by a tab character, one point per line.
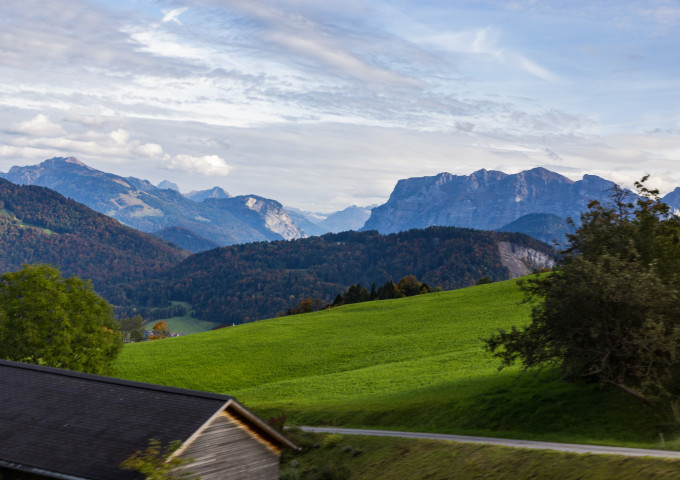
75	426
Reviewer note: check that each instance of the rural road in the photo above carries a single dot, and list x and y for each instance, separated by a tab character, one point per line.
562	447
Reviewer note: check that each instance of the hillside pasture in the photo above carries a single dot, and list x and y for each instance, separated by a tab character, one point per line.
412	364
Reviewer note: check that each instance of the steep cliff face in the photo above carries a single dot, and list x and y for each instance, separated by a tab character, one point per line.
484	200
261	214
521	260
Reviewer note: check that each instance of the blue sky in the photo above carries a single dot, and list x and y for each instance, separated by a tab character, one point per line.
321	105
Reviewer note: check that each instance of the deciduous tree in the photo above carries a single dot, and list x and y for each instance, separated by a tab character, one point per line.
59	322
157	463
159	331
611	311
132	329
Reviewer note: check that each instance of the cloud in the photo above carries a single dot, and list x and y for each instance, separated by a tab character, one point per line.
86	120
172	15
151	150
38	125
533	68
465	126
40	138
206	165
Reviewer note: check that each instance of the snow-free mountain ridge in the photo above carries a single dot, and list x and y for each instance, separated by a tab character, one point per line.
141	205
487	200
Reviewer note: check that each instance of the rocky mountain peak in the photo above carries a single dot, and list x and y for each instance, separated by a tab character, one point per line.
167	184
485	199
200	195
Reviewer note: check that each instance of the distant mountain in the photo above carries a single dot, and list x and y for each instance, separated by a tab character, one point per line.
484	200
673	199
261	214
248	282
141	205
307	223
200	195
312	223
40	225
185	239
546	227
169	185
351	218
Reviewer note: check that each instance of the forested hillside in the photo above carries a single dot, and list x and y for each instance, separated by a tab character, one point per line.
252	281
40	225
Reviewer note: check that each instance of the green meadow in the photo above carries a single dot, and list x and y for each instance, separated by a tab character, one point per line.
185	324
410	364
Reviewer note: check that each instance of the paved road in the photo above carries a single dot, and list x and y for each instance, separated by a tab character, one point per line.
563	447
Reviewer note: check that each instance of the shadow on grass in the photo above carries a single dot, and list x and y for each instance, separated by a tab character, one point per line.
540	407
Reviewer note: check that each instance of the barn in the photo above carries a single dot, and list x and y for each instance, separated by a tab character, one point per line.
75	426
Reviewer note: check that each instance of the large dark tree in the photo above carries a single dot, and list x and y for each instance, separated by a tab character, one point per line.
55	321
611	311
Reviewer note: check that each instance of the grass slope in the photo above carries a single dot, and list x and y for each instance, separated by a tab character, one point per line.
372	458
413	364
186	324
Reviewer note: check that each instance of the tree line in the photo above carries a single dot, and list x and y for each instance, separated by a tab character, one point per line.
407	287
247	282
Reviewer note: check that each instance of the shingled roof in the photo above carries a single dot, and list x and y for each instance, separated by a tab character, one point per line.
82	426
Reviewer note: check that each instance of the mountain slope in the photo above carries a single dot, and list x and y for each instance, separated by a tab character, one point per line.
185	239
485	199
40	225
545	227
265	216
141	205
351	218
248	282
308	227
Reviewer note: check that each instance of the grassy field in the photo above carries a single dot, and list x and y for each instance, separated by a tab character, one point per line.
370	458
412	364
186	324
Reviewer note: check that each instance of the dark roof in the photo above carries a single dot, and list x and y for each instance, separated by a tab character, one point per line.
83	425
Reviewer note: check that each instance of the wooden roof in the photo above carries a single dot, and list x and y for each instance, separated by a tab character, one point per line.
81	426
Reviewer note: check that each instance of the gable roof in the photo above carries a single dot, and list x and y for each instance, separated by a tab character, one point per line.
81	426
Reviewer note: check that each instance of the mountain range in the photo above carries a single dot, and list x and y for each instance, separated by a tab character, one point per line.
140	274
40	225
196	221
220	219
487	200
537	202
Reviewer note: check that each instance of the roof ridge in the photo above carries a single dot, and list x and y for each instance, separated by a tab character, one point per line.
116	381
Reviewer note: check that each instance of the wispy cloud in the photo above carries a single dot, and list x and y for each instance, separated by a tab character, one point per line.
291	89
173	15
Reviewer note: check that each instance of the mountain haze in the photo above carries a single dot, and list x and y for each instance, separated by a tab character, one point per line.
351	218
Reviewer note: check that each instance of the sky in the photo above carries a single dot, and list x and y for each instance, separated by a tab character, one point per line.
321	105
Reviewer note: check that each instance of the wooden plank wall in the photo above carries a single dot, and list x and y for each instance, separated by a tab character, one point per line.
227	448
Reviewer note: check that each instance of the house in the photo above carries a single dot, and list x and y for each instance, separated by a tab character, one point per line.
74	426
